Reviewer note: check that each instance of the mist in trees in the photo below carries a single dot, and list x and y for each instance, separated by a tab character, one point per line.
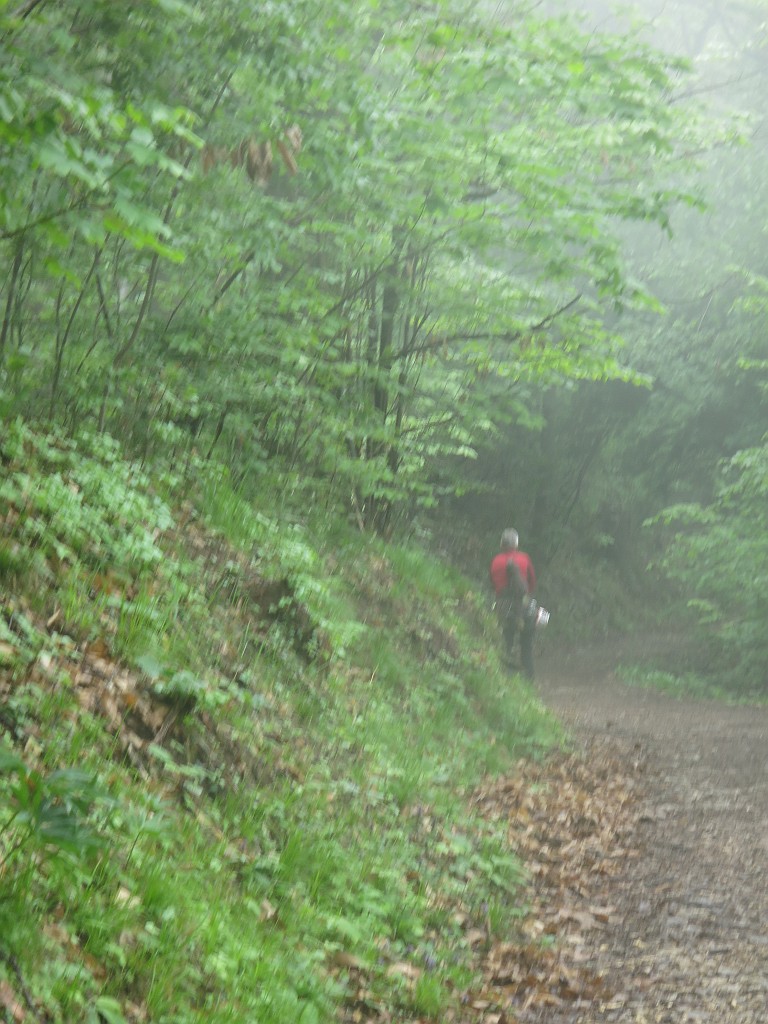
670	474
372	257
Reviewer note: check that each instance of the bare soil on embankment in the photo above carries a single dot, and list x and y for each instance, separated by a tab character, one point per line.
683	934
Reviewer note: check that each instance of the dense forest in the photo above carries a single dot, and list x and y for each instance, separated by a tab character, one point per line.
301	304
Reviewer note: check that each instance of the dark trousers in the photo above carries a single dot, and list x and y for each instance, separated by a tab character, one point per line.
513	624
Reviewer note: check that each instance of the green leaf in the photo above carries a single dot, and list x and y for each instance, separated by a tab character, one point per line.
149	664
110	1009
10	761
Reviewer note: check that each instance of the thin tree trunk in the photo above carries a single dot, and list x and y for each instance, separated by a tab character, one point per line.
7	315
62	339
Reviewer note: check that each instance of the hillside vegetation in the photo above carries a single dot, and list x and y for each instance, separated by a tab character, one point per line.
282	286
236	755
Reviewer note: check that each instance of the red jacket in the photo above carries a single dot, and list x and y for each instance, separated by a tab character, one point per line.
499	570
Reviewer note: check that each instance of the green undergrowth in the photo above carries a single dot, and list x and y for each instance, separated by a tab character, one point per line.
237	754
689	684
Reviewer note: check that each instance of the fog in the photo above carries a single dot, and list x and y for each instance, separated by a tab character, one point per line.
613	456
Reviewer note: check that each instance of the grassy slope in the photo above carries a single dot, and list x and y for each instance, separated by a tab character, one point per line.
235	756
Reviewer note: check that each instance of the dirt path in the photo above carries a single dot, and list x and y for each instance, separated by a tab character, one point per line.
688	942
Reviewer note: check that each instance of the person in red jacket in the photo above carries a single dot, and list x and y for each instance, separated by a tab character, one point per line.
514	582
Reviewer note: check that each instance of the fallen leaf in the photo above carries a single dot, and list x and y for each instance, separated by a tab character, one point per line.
268	911
98	648
8	653
339	958
404	970
8	1001
125	898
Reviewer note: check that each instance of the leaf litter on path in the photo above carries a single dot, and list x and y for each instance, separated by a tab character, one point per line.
572	820
689	941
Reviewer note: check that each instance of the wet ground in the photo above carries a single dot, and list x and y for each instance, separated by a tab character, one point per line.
688	942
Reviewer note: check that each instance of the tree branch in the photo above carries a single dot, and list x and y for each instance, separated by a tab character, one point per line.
26	9
508	337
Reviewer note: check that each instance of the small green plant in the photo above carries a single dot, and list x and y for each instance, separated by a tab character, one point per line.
687	684
184	687
82	609
45	814
15	560
81	503
429	997
20	640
